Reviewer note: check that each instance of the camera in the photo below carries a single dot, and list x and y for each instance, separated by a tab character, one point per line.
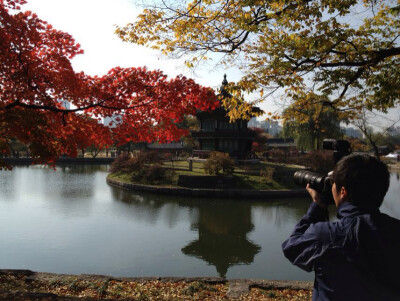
320	183
317	182
341	148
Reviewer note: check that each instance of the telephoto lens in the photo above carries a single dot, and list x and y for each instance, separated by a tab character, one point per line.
304	177
317	182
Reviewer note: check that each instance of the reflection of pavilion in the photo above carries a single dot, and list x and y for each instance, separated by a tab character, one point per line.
222	238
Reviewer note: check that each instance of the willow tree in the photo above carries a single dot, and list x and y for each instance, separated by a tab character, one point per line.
309	125
345	49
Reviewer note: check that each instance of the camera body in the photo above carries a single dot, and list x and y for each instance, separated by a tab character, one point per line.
320	183
341	148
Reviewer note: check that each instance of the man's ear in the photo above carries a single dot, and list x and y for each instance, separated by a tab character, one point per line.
343	193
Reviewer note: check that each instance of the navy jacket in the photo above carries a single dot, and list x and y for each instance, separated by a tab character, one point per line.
354	258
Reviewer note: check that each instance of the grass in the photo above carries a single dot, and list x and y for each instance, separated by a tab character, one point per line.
246	176
122	177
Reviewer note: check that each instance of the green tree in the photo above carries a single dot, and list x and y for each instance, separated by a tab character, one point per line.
346	49
310	126
190	123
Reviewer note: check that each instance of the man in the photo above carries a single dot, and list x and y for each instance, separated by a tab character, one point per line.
358	256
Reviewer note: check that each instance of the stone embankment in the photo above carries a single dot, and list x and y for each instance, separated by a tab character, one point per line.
210	193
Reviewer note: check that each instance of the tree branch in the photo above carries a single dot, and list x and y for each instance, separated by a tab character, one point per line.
378	56
66	111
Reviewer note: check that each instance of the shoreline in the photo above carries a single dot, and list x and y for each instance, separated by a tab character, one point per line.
207	193
29	285
30	161
394	167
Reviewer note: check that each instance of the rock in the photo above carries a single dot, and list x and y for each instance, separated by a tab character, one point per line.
238	288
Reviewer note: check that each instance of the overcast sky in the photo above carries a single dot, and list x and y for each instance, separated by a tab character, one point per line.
92	24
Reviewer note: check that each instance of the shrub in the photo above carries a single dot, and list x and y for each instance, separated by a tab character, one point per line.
219	161
320	161
144	166
153	174
148	157
279	155
267	173
128	163
120	163
246	170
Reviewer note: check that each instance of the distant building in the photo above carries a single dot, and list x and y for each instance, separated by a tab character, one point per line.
394	130
172	147
352	132
217	133
271	127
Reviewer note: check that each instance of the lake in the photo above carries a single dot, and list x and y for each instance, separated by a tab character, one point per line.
70	221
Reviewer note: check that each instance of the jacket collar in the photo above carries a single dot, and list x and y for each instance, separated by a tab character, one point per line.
349	210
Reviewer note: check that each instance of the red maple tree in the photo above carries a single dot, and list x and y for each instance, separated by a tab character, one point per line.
36	76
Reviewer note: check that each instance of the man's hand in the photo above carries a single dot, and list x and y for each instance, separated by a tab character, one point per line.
315	197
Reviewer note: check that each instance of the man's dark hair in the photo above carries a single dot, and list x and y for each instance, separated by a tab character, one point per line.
365	178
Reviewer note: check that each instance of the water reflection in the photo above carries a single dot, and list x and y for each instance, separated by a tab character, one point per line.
282	212
222	226
68	190
146	207
82	169
222	236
